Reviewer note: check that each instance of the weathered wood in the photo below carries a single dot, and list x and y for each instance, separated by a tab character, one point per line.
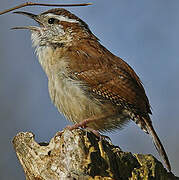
80	155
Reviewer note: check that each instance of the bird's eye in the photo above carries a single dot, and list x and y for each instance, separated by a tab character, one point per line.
51	20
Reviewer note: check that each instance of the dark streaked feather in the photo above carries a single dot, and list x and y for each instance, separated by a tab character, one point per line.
109	76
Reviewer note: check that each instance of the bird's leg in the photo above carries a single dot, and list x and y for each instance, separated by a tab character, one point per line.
84	124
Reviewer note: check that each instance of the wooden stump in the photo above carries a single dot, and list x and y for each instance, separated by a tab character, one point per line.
80	155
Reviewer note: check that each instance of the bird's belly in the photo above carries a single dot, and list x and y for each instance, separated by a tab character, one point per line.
76	105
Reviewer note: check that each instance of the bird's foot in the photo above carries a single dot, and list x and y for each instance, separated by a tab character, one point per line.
83	124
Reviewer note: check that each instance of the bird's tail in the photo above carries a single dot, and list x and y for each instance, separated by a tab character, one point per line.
157	142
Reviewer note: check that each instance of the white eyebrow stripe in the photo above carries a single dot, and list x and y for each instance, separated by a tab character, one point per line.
62	18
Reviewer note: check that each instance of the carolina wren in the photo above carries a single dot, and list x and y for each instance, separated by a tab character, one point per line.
87	83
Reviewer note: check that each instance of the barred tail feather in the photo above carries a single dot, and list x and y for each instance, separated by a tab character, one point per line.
157	143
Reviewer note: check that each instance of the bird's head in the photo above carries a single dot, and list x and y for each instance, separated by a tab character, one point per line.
56	26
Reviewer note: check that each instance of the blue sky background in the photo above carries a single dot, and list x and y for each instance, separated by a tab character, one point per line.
145	33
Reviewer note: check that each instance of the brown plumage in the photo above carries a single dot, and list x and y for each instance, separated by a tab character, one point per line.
87	83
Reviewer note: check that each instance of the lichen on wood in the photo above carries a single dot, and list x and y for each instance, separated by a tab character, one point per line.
80	155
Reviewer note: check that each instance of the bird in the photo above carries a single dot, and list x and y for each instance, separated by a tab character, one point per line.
87	83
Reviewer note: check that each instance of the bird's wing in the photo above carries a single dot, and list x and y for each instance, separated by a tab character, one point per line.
109	77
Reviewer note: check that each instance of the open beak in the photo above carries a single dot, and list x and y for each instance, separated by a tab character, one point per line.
32	16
